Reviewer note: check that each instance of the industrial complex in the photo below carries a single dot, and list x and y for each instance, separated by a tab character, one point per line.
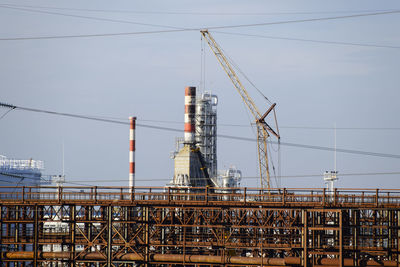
202	216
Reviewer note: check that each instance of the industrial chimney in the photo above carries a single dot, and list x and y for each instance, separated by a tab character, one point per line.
190	112
132	148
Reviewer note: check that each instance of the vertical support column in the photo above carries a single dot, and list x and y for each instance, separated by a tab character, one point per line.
1	228
163	232
132	149
125	226
398	236
389	232
146	222
16	225
305	238
109	236
356	231
90	225
35	235
341	258
72	230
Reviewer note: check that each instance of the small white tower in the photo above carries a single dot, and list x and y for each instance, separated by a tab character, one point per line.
329	178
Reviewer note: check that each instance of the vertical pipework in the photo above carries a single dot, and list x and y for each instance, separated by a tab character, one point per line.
190	107
132	149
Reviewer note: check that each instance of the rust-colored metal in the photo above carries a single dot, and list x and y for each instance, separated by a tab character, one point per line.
203	259
111	226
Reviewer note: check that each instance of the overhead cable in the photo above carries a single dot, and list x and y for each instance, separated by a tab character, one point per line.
90	17
176	29
309	40
349	151
244	177
88	180
199	13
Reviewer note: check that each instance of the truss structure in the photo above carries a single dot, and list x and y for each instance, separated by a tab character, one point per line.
166	227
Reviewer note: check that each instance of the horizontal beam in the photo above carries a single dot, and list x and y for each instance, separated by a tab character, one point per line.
233	197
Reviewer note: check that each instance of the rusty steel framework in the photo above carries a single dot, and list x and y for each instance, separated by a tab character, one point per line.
109	226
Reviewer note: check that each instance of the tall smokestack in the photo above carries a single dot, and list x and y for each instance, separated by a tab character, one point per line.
190	109
132	149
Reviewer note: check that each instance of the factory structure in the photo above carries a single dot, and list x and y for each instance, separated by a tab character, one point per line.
195	158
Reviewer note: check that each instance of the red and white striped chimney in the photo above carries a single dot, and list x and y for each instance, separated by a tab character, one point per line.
190	109
132	149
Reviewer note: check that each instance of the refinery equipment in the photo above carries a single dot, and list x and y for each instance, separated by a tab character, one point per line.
206	130
231	178
263	129
190	166
196	154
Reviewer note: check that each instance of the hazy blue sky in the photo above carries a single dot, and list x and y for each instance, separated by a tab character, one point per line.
314	84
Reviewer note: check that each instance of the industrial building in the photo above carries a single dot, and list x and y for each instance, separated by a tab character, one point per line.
195	158
20	172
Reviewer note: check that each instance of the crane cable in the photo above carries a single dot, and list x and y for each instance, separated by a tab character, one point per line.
232	62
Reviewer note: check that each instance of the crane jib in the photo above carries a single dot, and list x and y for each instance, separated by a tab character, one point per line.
262	127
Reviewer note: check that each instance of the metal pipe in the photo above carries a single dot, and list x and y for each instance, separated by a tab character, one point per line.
28	255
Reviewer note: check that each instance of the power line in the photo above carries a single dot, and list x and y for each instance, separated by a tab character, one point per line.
349	151
176	29
311	40
200	13
340	128
302	20
119	120
90	17
283	127
87	35
249	125
243	177
85	181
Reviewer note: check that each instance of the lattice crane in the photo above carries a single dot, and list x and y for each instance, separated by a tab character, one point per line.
263	129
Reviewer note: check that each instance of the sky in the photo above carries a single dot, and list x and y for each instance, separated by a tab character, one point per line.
321	73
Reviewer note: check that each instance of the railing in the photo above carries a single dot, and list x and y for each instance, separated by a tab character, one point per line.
204	195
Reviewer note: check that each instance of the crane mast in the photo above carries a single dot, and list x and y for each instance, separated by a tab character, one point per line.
263	129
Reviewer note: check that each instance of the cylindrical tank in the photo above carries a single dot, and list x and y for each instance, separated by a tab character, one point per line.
231	178
190	111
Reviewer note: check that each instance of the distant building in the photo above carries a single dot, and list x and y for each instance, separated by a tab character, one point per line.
19	172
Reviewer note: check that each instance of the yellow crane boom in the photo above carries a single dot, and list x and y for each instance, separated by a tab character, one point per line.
263	129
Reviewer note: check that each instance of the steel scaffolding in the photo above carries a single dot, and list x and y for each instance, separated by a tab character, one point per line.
110	226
